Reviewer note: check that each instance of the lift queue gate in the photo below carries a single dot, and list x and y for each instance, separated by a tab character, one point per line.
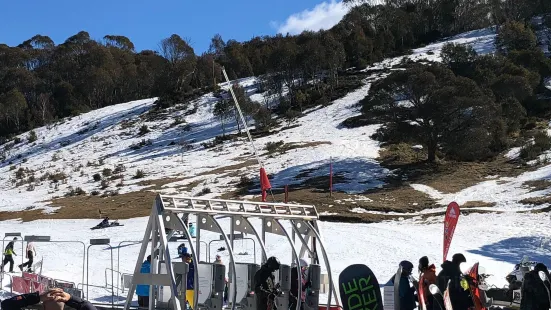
166	214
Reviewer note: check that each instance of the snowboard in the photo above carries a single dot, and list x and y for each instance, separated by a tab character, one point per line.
421	293
114	224
473	287
359	288
447	300
397	288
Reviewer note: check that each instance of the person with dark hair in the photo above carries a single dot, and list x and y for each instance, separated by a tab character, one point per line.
534	294
142	290
264	285
186	258
54	299
427	273
459	288
8	255
406	291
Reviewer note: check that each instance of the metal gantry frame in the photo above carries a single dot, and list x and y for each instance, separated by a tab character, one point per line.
165	214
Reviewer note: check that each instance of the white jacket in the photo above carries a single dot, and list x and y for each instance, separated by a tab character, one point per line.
30	247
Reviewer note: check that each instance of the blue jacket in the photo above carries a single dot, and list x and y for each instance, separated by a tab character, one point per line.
192	231
142	289
190	276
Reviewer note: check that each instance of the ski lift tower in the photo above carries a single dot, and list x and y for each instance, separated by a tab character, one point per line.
167	214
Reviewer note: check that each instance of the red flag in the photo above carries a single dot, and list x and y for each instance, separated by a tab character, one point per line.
450	221
264	183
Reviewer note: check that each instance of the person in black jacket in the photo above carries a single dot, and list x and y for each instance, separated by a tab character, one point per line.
264	285
533	292
459	291
54	299
406	291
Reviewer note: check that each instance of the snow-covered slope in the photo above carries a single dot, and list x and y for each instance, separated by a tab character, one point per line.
174	148
380	246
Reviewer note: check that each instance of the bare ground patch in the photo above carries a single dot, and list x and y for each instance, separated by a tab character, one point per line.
158	184
122	206
445	176
536	200
478	204
230	168
537	185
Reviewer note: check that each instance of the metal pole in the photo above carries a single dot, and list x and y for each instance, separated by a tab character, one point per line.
327	265
245	125
112	280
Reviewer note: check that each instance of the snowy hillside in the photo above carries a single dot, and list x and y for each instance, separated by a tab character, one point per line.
381	246
68	154
105	152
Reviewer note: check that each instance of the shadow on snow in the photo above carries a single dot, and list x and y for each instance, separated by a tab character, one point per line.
512	250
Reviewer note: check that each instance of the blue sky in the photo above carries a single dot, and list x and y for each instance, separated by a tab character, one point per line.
146	22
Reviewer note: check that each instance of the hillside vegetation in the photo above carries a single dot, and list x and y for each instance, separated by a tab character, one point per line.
41	82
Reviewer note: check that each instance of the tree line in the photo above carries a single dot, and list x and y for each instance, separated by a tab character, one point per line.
469	107
41	81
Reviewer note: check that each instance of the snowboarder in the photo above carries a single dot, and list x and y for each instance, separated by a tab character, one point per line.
264	286
428	274
31	253
192	230
105	222
8	255
459	288
533	291
406	291
142	290
54	299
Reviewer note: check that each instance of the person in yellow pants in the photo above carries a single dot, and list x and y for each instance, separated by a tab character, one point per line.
186	257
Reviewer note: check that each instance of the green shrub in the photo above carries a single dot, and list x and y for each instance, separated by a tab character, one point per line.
32	136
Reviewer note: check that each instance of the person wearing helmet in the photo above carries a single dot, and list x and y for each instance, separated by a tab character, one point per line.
264	285
406	291
460	295
534	292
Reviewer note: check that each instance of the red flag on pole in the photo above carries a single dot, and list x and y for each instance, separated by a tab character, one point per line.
450	221
264	183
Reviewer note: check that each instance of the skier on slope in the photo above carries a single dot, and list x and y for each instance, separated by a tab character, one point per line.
428	274
534	293
264	286
459	288
406	291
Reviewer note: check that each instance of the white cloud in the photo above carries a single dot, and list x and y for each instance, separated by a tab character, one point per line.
324	16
